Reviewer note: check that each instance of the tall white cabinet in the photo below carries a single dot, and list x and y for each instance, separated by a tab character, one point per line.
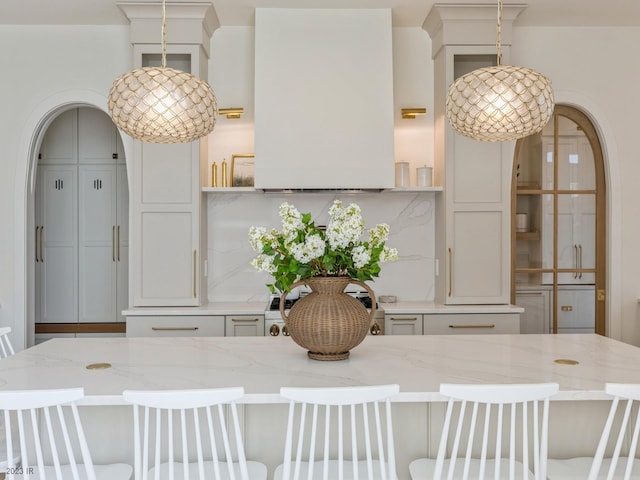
473	213
168	238
81	233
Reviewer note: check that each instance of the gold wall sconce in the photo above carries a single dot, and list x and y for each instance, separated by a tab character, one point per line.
413	112
234	112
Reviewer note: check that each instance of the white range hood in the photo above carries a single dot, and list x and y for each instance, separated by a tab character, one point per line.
323	99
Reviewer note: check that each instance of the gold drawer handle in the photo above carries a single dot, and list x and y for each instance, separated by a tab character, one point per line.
173	329
246	320
566	308
491	325
408	319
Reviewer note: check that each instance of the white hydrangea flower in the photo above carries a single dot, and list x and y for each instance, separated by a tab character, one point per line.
379	234
291	220
264	263
345	226
360	256
312	248
389	254
259	237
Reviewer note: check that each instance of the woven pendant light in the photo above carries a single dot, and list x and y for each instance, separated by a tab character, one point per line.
162	104
501	102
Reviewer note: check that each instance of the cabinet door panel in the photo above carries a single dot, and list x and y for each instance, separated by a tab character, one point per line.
403	324
536	315
244	326
97	243
57	269
60	142
475	180
167	259
476	262
167	174
96	137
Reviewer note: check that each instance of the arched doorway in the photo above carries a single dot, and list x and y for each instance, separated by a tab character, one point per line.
35	126
559	227
81	227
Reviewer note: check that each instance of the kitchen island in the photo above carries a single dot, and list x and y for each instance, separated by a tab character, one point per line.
417	363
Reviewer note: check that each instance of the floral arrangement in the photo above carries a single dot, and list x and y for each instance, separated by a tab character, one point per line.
303	250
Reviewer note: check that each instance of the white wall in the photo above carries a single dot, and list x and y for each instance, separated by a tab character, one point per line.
40	66
591	67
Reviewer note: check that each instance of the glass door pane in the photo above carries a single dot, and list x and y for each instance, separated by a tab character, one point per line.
576	168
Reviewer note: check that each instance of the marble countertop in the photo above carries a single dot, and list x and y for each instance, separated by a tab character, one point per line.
258	308
263	364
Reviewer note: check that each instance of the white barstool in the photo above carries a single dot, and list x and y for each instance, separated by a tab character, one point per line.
520	413
361	429
201	419
618	441
48	427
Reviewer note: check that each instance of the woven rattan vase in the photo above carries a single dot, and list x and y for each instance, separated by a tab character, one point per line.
327	321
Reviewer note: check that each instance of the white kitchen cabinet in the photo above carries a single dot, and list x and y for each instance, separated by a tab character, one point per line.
473	235
81	246
60	144
168	229
404	324
94	145
244	325
176	326
168	240
56	244
536	317
576	213
471	323
576	309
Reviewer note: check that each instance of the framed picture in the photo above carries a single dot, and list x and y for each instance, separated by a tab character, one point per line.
242	171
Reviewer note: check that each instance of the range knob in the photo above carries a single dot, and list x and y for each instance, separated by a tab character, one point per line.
375	329
285	331
274	330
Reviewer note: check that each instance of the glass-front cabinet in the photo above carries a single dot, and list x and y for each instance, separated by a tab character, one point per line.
558	227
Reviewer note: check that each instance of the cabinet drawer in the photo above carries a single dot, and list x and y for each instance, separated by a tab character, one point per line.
410	324
244	325
469	323
176	326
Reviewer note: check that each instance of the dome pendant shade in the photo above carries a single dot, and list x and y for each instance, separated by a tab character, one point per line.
162	105
500	103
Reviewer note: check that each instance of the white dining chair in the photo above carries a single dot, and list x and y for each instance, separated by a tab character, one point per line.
359	429
183	435
51	442
615	456
6	349
492	432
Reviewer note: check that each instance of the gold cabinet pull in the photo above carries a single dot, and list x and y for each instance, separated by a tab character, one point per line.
450	271
489	325
36	244
566	308
404	319
113	243
245	320
42	243
195	265
174	329
580	260
118	237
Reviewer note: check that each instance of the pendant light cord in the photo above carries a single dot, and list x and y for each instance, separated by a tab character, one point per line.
164	35
499	33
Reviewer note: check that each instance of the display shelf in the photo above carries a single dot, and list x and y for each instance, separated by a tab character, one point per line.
534	235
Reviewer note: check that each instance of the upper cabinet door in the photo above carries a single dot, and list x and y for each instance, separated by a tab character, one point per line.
60	144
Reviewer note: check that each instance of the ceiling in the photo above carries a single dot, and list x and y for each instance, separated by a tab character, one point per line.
405	12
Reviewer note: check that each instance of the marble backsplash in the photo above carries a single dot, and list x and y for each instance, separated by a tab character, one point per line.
410	216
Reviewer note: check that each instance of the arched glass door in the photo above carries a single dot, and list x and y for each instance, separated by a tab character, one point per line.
558	227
